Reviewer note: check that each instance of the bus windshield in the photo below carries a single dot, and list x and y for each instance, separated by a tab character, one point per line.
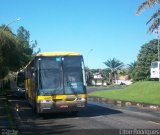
61	75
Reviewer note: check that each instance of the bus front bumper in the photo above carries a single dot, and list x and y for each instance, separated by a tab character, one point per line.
61	107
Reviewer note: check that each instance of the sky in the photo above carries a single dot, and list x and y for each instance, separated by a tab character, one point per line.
99	29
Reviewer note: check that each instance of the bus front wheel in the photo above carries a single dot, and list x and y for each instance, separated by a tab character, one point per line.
37	109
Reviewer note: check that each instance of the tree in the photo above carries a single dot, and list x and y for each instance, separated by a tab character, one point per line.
155	17
25	51
147	54
131	68
88	76
15	50
113	65
8	51
105	73
123	71
25	46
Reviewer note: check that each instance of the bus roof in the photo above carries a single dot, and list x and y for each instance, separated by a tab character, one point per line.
59	54
47	54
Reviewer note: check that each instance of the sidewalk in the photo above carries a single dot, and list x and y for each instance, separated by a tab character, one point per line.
4	116
7	121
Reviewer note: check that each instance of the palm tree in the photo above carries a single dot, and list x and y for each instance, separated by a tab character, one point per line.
114	65
155	17
131	68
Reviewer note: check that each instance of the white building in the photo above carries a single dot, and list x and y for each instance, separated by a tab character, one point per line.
98	80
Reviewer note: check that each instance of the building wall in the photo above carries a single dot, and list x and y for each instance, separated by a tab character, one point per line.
99	82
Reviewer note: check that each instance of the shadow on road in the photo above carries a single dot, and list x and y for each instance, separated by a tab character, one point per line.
27	112
91	111
95	110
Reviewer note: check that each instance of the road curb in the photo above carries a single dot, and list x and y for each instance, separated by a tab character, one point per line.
120	103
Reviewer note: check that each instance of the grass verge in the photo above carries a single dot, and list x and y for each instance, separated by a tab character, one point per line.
144	92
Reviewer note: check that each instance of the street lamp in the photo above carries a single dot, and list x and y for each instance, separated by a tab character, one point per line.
88	55
158	43
87	71
18	19
158	51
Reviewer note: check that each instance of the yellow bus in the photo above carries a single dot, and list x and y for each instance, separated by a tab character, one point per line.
55	82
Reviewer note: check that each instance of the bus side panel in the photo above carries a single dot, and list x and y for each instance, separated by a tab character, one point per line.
30	91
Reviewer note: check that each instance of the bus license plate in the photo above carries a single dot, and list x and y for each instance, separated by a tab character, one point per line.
64	106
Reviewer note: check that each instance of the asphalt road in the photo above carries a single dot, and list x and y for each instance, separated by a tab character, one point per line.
98	119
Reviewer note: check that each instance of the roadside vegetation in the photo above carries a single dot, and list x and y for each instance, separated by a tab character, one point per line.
143	91
6	91
16	50
10	115
154	19
113	66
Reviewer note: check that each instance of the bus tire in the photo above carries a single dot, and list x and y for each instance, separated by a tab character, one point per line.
37	110
26	96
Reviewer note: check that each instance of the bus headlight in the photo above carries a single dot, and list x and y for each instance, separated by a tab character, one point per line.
83	99
45	101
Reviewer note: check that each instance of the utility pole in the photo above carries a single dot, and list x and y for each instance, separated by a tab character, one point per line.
158	51
88	55
158	38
